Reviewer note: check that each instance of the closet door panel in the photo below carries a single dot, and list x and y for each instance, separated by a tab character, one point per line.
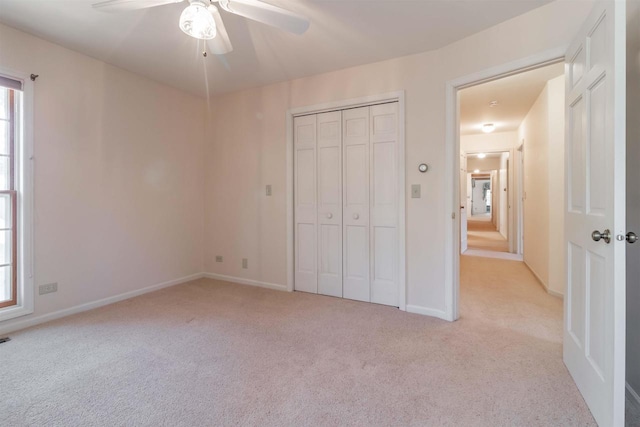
305	204
330	203
356	135
384	204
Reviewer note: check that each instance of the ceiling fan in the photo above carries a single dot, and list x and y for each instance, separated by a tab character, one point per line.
201	18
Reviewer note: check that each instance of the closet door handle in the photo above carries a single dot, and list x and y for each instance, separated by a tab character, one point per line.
356	216
329	215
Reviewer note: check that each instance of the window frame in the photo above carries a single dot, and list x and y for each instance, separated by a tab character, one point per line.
23	243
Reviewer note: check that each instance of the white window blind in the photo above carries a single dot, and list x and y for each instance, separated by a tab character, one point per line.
10	83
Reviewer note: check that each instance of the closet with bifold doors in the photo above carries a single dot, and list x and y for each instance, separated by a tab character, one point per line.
346	203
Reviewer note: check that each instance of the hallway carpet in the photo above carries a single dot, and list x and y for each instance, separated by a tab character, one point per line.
483	235
212	353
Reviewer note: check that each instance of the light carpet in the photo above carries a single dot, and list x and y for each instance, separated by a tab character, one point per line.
483	235
215	353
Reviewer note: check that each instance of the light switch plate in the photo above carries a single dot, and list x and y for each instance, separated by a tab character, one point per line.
245	263
415	191
268	190
218	258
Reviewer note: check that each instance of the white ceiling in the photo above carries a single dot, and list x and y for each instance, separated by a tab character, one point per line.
515	95
343	33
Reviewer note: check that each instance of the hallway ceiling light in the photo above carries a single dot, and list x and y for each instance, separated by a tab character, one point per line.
476	171
488	127
493	103
481	155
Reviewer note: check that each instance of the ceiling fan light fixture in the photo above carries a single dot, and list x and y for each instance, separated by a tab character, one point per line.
196	21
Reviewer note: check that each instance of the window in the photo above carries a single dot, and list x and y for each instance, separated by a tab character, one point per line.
8	200
16	130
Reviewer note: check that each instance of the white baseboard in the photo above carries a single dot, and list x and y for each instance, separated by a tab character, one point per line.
17	324
425	311
633	396
544	285
492	254
242	281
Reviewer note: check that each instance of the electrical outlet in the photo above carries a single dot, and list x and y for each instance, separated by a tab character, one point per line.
218	258
245	263
48	288
268	190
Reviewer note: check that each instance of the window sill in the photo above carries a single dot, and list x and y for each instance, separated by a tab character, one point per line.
14	311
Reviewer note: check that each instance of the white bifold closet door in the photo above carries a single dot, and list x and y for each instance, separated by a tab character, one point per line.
305	206
330	203
384	200
356	283
346	203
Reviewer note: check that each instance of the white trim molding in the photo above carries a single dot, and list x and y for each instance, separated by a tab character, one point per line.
33	321
24	187
398	96
241	281
425	311
452	161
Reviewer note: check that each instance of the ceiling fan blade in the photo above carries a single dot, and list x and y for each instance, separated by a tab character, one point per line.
220	44
124	5
267	14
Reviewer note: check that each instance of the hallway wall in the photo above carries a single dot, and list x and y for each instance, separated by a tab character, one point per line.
503	184
542	133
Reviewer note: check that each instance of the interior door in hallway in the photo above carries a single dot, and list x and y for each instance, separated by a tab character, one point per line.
594	326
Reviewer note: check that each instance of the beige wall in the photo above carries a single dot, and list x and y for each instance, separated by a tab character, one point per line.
496	141
247	148
118	176
486	164
556	167
503	183
542	133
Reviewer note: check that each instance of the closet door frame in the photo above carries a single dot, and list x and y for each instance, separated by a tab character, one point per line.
398	97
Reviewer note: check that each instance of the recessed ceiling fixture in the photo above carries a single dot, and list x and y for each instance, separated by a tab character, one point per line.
481	155
488	127
476	171
493	103
201	19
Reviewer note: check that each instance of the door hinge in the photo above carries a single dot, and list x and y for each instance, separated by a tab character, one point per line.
453	215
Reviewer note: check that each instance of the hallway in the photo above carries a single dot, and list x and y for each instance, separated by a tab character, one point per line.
482	235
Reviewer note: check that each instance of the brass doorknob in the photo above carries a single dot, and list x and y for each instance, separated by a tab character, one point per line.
605	235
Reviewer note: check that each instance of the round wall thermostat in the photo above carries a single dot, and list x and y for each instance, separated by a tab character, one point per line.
423	167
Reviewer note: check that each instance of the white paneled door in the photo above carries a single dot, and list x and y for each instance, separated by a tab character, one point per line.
356	204
347	203
384	204
305	206
330	203
594	326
